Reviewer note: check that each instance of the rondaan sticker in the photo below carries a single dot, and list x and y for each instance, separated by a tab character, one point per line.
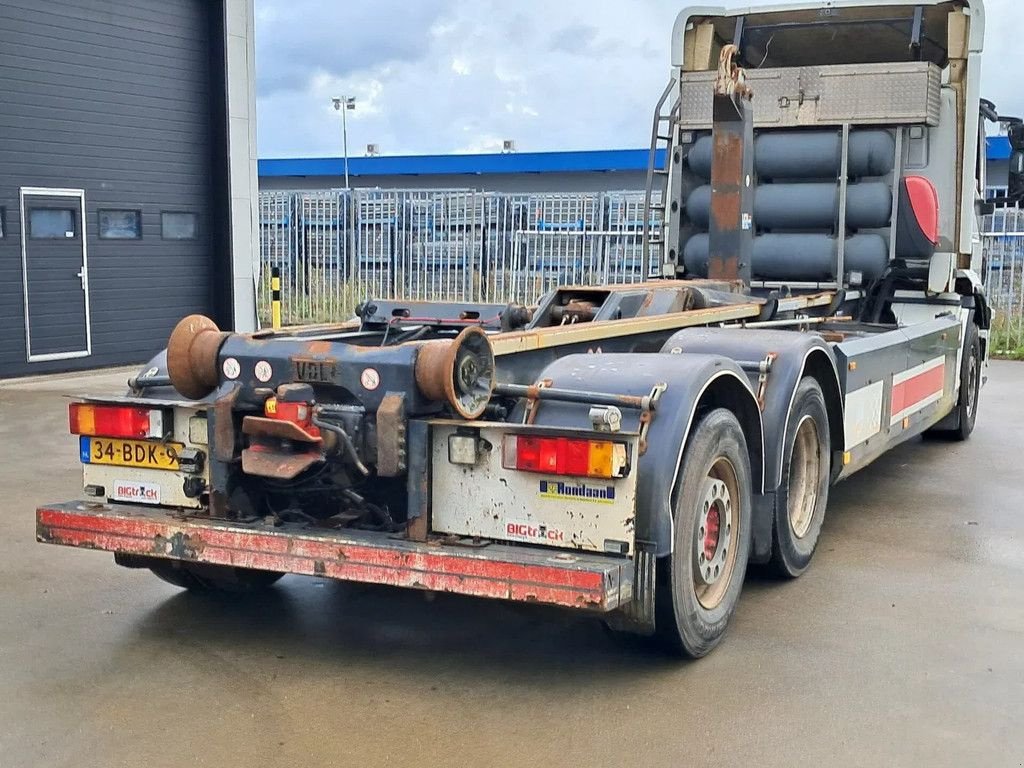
570	491
136	492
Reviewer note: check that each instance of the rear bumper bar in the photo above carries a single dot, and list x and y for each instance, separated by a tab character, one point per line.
574	580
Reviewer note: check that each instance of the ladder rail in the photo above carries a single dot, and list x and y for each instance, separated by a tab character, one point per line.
652	158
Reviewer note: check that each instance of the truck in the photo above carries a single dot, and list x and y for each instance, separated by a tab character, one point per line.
816	174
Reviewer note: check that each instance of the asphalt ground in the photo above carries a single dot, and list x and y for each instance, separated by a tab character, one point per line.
903	645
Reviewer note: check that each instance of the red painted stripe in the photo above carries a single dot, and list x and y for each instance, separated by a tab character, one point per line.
915	389
468	572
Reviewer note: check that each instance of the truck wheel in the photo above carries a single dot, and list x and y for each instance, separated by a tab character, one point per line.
970	384
198	577
803	494
966	411
699	583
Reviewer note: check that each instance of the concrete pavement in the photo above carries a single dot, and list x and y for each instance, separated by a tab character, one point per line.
902	645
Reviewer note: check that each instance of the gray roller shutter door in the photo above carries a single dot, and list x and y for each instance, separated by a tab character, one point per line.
112	97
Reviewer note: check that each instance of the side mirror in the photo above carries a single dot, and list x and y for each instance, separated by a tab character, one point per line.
1015	177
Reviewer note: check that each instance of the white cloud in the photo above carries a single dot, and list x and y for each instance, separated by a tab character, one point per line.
431	76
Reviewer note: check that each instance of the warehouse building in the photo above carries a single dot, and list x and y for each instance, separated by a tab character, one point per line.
520	172
512	172
127	176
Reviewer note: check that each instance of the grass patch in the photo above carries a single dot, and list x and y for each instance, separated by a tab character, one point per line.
1007	337
319	296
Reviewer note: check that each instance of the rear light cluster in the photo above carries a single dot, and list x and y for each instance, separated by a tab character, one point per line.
118	421
577	457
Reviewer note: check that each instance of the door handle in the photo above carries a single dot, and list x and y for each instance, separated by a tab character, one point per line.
82	275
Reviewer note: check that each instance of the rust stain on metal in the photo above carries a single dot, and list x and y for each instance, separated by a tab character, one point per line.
318	347
178	545
558	335
219	504
727	181
646	417
262	461
416	529
260	426
513	574
224	426
391	445
435	361
762	379
575	311
192	356
435	368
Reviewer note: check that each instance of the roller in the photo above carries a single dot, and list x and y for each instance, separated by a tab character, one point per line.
459	371
802	258
192	356
806	206
808	154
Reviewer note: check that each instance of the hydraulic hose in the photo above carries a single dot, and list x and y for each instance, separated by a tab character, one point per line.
345	440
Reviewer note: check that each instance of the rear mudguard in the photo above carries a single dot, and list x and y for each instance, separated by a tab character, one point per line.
693	382
794	355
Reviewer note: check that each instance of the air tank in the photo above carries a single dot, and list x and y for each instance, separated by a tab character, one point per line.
800	257
808	154
811	205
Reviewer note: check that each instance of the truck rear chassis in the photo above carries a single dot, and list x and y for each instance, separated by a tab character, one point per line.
581	580
624	449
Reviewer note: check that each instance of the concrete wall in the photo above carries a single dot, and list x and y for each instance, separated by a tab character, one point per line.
240	77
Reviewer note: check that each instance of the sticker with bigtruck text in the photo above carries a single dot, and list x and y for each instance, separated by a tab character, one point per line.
134	491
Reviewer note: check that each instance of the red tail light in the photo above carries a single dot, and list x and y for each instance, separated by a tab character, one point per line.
117	421
578	457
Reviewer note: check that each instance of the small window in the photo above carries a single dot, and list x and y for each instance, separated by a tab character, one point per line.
179	226
51	223
3	222
120	224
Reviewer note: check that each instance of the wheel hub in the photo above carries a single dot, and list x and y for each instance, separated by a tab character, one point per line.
714	531
972	382
804	471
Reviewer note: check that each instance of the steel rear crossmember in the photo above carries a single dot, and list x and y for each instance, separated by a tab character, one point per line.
592	582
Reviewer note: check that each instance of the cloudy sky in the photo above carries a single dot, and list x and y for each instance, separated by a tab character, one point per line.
461	75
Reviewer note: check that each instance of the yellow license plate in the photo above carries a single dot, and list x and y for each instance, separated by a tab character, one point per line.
130	453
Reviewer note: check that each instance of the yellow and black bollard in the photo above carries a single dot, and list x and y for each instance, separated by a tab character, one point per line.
275	297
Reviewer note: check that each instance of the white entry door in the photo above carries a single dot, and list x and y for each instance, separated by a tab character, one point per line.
55	273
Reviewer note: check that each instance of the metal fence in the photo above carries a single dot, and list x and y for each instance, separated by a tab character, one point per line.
1003	272
336	248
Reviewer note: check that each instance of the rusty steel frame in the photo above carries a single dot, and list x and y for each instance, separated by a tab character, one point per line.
731	223
590	582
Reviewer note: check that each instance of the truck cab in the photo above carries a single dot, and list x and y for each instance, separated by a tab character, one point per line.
869	154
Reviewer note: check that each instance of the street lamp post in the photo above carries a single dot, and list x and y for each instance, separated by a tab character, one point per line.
343	104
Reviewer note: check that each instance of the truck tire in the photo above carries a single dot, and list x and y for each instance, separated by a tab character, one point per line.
199	577
803	494
699	584
970	389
